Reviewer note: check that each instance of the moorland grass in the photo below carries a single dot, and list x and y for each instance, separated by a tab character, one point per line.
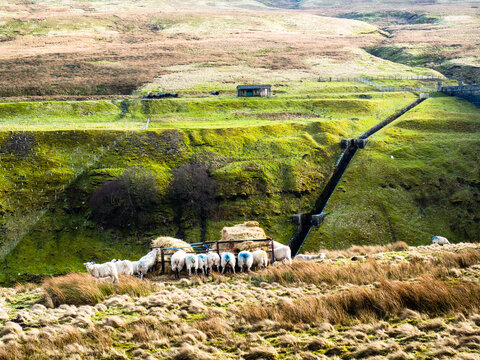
82	289
367	272
428	296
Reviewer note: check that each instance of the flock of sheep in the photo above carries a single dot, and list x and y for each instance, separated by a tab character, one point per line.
205	262
192	262
110	270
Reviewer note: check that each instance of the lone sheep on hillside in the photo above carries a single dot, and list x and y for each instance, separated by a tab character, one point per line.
440	240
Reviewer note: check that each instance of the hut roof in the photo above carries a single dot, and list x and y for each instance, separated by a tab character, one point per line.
253	87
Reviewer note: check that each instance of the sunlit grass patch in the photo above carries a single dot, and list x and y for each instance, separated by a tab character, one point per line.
82	289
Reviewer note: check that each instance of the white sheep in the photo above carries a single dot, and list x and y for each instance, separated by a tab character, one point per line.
135	267
147	262
440	240
227	259
99	271
260	259
124	267
191	261
303	257
245	258
282	253
213	259
203	263
178	262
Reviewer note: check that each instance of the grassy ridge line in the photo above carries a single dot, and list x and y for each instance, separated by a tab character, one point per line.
188	113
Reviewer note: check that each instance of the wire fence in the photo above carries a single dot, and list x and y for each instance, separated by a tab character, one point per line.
382	78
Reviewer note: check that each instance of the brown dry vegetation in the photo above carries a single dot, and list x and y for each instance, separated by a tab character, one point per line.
80	289
49	51
428	296
420	303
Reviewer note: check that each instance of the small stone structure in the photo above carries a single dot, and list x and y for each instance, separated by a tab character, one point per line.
470	93
254	90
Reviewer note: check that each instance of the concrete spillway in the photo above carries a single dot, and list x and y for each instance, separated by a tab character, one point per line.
315	215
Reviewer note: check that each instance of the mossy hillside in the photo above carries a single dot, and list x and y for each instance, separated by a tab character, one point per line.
417	178
282	175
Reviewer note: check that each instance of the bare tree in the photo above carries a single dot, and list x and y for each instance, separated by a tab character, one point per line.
128	200
193	192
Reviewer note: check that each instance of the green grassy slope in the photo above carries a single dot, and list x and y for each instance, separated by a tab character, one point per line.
417	178
270	158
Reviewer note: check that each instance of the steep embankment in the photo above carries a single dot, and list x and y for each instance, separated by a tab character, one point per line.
416	178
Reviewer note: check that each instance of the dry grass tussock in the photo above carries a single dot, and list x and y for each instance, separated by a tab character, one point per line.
428	296
82	289
367	272
70	342
367	249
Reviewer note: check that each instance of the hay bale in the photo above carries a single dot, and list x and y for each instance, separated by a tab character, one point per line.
253	246
169	242
246	231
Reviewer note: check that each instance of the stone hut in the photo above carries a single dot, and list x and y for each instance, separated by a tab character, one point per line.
254	90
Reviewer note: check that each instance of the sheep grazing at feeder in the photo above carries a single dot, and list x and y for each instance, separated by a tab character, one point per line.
245	259
213	259
203	263
147	262
227	259
282	253
178	262
135	267
99	271
124	267
440	240
191	261
260	259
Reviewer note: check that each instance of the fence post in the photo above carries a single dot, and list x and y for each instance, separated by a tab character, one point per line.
162	254
218	249
273	252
